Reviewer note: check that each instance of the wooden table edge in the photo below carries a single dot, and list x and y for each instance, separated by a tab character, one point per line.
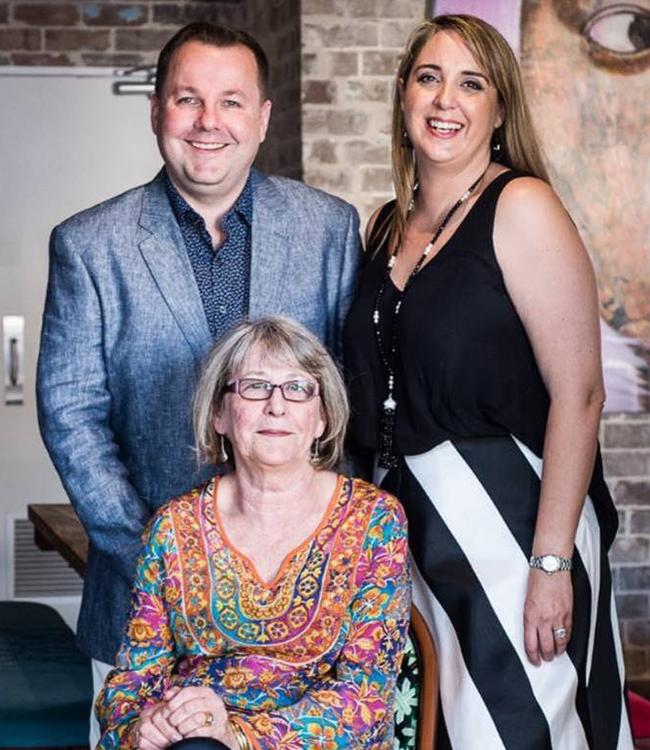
46	539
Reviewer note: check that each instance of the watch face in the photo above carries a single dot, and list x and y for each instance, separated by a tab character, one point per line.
550	563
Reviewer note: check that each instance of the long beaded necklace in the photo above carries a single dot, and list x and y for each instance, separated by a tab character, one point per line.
387	457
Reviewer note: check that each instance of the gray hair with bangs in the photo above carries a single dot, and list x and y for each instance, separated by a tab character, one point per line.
283	339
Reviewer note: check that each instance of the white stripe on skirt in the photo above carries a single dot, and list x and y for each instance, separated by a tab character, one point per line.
474	720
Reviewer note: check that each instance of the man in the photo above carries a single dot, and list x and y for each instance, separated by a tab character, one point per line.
141	286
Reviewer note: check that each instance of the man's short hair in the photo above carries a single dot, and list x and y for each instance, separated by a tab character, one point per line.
218	36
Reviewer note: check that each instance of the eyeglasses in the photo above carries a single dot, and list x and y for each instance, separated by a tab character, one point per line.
253	389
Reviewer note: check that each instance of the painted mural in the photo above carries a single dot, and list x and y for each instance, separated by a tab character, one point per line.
586	68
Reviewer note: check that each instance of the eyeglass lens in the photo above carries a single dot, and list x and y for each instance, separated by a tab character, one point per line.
292	390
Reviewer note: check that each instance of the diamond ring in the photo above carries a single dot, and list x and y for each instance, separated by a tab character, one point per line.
208	719
559	633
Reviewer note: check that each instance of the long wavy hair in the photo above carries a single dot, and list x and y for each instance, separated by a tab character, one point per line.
520	148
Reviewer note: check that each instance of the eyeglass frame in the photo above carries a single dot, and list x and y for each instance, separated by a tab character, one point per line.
234	387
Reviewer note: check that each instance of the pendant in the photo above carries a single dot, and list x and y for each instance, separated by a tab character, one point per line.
389	403
387	458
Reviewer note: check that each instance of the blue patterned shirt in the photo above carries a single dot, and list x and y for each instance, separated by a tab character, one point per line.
222	274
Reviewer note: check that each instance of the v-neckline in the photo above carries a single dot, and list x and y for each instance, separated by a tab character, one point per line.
447	242
292	553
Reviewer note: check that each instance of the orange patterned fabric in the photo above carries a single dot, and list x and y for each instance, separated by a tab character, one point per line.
308	660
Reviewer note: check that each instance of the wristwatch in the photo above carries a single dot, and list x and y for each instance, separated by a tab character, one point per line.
550	563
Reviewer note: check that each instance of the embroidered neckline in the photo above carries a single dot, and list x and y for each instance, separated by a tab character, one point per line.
292	554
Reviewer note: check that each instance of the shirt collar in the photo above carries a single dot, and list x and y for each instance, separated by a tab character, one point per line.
184	212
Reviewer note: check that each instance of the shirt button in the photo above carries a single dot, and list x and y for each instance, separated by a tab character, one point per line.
222	309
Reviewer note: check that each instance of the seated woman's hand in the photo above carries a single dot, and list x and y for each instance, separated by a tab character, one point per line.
153	731
198	712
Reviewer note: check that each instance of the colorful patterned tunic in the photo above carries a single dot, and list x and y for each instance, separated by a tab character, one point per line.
307	661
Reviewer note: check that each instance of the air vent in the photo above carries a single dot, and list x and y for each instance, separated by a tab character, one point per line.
37	573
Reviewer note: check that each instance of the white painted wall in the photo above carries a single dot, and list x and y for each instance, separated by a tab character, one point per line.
66	142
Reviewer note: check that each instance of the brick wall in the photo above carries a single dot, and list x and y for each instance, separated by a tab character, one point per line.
350	52
276	25
123	34
83	32
625	441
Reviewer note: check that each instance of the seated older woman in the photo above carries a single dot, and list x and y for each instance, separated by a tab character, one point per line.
271	605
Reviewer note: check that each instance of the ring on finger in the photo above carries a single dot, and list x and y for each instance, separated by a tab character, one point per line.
559	633
208	719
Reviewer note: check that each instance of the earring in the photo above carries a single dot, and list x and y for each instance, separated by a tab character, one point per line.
223	454
406	141
496	145
314	453
411	204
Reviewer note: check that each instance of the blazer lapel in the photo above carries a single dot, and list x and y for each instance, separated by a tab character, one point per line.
270	247
163	250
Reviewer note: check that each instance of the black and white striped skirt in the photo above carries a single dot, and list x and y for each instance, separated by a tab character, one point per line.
472	506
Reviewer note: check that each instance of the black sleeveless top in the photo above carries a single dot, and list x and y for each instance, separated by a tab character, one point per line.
465	365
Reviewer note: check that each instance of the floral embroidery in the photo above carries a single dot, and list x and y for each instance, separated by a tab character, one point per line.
307	661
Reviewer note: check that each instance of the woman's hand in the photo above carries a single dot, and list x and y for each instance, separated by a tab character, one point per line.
548	609
198	712
152	731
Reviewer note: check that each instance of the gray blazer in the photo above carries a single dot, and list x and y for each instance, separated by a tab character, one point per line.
124	334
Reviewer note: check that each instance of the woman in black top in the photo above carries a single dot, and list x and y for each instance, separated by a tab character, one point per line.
474	361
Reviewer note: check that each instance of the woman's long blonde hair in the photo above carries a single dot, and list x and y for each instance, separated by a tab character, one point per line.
520	148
